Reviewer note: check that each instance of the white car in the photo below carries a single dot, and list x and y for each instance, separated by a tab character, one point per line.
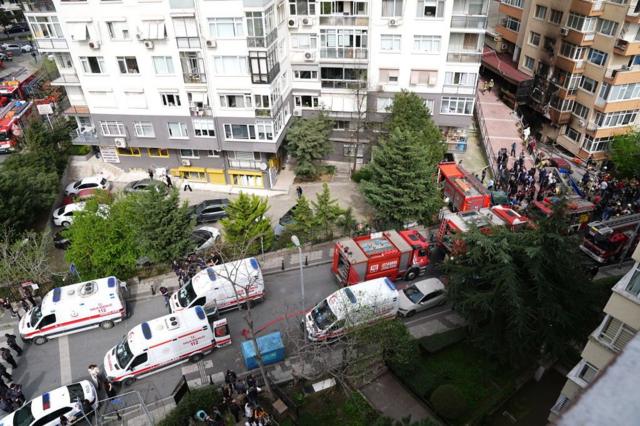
63	216
46	409
26	48
421	296
204	238
91	182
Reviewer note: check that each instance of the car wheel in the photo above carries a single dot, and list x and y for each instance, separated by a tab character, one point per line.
195	358
129	381
105	325
410	314
411	274
65	224
40	340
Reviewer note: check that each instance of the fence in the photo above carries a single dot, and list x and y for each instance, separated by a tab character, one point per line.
126	409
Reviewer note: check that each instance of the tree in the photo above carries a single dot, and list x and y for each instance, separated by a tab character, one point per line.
24	257
402	185
408	112
5	19
523	294
625	154
327	212
347	222
304	223
246	225
308	143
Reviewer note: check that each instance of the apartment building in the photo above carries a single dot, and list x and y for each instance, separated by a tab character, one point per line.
620	324
583	59
207	88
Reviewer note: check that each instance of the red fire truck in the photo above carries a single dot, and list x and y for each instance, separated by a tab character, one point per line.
464	191
607	240
579	210
13	119
392	254
18	87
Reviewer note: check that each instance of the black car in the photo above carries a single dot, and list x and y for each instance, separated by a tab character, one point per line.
286	219
210	210
145	185
61	242
18	28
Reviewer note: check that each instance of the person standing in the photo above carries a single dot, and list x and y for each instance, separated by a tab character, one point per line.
3	373
12	343
165	295
168	179
513	149
6	355
187	185
299	191
483	175
94	373
150	172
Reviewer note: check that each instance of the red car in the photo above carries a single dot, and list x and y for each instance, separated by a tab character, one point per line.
82	195
560	163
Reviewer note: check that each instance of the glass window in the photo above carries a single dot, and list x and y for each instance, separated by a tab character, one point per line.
529	62
189	153
177	130
390	42
431	8
389	76
456	105
304	41
426	43
163	65
391	8
460	79
306	101
588	84
128	65
607	27
118	30
226	27
587	372
572	134
92	64
423	78
555	17
512	24
302	7
230	65
46	27
130	152
581	23
615	333
305	75
158	152
597	57
170	99
634	283
534	38
541	11
580	110
113	128
204	128
239	131
144	129
214	153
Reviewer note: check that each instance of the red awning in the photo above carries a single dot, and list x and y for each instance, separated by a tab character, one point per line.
501	63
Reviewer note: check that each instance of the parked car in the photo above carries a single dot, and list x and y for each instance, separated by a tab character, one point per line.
61	242
210	210
286	219
26	48
18	28
421	296
47	409
90	182
205	238
82	195
12	47
5	57
63	216
145	185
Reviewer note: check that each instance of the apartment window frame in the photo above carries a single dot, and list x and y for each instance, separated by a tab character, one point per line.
607	27
306	101
302	7
512	24
341	125
45	27
204	127
555	17
303	75
616	119
580	110
417	77
303	41
431	9
189	153
572	134
186	32
597	57
588	84
391	8
170	99
529	62
224	68
214	153
513	3
177	130
587	372
592	145
230	134
349	150
118	30
113	128
230	100
390	42
427	43
581	23
158	153
535	38
619	92
611	338
572	51
389	75
460	78
128	65
462	105
633	286
90	63
233	28
166	63
130	151
144	129
540	12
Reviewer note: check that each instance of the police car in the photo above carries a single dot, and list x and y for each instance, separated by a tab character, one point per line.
46	409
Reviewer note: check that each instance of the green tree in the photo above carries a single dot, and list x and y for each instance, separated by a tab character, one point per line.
308	143
347	222
304	224
24	257
625	154
522	293
327	211
5	19
408	112
246	223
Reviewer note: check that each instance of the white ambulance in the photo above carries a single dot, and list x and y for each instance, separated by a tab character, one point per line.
351	306
163	343
213	288
74	308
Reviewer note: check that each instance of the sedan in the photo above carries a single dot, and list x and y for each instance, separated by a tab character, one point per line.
18	28
210	210
205	238
144	185
286	219
64	215
421	296
10	47
47	409
91	182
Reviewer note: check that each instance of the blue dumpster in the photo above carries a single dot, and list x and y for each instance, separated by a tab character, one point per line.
271	349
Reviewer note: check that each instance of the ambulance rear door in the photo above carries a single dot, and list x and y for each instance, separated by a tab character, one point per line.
221	333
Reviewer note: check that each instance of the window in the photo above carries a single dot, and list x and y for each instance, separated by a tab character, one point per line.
170	99
341	124
572	51
113	128
343	43
225	27
389	76
580	110
529	62
189	153
616	119
460	79
383	104
343	78
534	39
52	417
431	8
177	129
128	65
158	152
349	150
45	26
565	105
615	333
186	33
549	44
304	41
47	320
514	3
204	128
588	84
581	23
454	105
633	287
512	24
596	145
305	75
302	7
606	27
262	65
255	29
239	131
230	65
306	101
423	78
262	101
163	65
541	11
118	30
264	129
236	101
143	129
139	360
153	30
572	134
555	17
426	43
597	57
348	8
619	92
390	42
214	153
587	372
391	8
92	64
129	152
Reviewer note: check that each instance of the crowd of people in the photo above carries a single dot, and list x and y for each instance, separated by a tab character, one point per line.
11	396
612	196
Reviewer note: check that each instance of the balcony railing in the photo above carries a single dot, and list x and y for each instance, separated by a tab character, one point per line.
44	44
194	77
343	53
457	89
263	112
344	20
64	79
343	84
246	164
469	22
464	57
38	6
200	111
84	138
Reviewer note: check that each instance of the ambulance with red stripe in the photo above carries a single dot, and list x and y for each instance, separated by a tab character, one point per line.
164	342
350	307
221	287
74	308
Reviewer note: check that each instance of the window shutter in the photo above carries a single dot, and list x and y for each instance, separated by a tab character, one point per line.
625	336
610	329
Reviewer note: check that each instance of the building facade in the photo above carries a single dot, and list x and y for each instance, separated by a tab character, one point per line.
207	88
620	324
583	57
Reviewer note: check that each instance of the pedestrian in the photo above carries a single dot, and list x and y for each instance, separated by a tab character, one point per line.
230	377
491	83
490	184
299	191
248	410
150	171
14	393
252	394
12	343
34	56
25	305
5	405
3	373
250	380
63	420
108	387
165	295
513	149
483	175
26	293
168	179
235	410
94	373
6	355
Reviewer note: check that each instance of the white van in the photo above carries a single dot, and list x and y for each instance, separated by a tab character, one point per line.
213	288
164	342
351	306
74	308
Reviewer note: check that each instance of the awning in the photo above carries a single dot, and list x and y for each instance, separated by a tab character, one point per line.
501	64
215	171
192	169
244	172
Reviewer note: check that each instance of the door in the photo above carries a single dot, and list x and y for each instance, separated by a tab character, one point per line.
432	299
137	361
47	320
221	333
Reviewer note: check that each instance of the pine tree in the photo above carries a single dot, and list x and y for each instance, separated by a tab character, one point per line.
304	224
327	211
246	224
308	143
409	112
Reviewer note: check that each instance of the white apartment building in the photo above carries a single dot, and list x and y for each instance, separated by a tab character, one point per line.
207	88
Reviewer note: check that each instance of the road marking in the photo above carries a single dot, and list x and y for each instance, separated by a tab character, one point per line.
65	360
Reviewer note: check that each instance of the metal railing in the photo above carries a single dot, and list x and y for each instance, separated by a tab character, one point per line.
246	164
194	77
458	89
470	22
344	20
200	111
66	79
343	53
464	57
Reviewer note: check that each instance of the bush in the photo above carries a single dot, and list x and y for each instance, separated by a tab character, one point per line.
79	150
448	402
440	341
363	173
198	399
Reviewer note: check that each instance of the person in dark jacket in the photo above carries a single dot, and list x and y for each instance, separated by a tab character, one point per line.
13	344
6	355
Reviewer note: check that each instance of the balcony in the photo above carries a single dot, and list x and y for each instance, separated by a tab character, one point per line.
192	68
204	111
356	53
77	110
571	66
626	47
51	44
38	6
559	117
564	93
622	75
606	106
194	77
464	57
353	21
469	22
588	7
507	33
579	38
66	80
633	14
458	90
88	137
247	164
263	41
263	112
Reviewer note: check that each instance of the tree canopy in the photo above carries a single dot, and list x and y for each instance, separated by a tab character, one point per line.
246	224
308	143
625	154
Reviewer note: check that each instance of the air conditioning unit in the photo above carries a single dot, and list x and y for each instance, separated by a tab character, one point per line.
94	44
297	112
186	163
120	142
394	22
148	44
497	38
292	23
564	31
309	56
307	21
212	44
582	123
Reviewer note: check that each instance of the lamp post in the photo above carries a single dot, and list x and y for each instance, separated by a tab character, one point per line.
296	242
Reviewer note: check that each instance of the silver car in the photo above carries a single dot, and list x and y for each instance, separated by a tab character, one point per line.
421	296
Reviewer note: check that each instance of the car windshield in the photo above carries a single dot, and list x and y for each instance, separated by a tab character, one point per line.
413	294
186	295
123	353
76	393
4	136
36	314
77	184
200	237
323	315
23	416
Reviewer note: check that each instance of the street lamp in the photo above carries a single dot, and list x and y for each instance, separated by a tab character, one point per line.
296	242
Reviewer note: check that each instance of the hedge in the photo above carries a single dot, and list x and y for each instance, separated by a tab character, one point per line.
204	398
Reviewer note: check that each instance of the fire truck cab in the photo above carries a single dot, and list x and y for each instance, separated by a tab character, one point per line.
605	241
13	118
579	211
464	191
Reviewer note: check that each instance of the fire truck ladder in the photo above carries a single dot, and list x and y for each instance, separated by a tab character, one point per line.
618	222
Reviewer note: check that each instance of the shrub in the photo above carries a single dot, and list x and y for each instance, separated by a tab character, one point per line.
198	399
363	173
448	402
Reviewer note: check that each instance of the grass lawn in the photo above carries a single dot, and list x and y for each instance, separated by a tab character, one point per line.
332	407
